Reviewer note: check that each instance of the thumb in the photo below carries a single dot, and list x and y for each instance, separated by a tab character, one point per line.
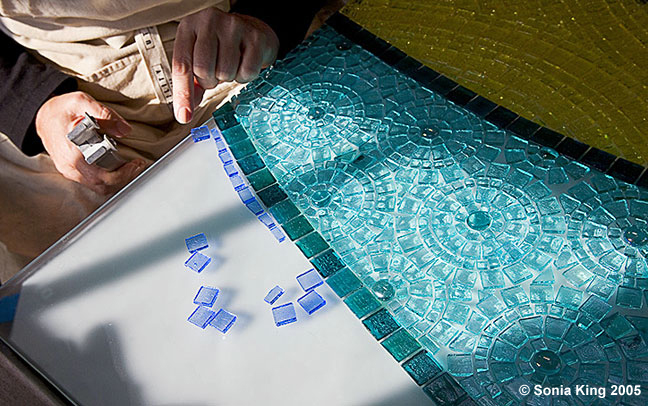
109	121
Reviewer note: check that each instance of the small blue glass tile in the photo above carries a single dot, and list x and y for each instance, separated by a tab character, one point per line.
223	321
267	220
197	242
237	182
246	195
197	262
274	294
309	280
225	157
311	302
201	316
206	296
254	206
278	234
284	314
230	169
200	133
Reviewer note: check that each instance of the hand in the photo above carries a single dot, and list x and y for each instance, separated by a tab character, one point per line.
213	46
58	116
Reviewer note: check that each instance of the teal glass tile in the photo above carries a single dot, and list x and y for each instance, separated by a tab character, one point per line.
242	149
344	282
362	302
401	344
261	179
629	297
327	263
271	195
381	324
297	228
422	367
312	244
284	211
234	135
251	164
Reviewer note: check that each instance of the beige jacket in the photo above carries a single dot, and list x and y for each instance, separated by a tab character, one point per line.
95	41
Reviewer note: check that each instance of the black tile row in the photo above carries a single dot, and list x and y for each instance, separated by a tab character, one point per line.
500	116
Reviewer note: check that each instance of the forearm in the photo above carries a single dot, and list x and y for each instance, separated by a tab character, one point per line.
25	84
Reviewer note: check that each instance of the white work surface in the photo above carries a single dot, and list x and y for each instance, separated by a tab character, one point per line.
104	314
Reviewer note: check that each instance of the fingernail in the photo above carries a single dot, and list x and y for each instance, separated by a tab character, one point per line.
184	116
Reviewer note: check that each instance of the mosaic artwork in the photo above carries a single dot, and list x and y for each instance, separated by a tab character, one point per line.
482	262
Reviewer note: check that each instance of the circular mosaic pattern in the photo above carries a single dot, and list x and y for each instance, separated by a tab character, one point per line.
480	223
313	121
614	232
432	133
550	351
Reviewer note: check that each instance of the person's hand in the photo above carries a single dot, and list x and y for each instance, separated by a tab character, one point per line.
213	46
58	116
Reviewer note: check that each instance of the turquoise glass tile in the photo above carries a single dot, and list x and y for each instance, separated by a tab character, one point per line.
381	324
422	367
344	282
242	149
251	164
271	195
234	135
261	179
401	344
511	263
297	228
362	302
312	244
284	211
327	263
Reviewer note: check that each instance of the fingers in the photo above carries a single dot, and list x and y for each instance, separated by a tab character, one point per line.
229	56
183	75
108	119
251	62
205	54
102	181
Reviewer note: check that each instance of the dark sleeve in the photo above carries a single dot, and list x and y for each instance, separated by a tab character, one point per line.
25	84
289	19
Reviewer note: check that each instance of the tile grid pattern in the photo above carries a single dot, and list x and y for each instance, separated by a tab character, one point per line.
397	340
502	117
416	361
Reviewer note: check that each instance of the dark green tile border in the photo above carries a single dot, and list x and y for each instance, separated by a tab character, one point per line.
416	361
500	116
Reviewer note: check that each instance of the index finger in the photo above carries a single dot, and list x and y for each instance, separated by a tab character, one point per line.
183	82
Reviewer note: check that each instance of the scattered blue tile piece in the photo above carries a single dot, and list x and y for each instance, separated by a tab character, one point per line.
284	314
309	280
206	296
216	134
200	133
246	195
201	316
274	294
225	157
197	242
220	145
278	234
267	220
197	262
230	169
255	207
311	301
237	182
223	321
